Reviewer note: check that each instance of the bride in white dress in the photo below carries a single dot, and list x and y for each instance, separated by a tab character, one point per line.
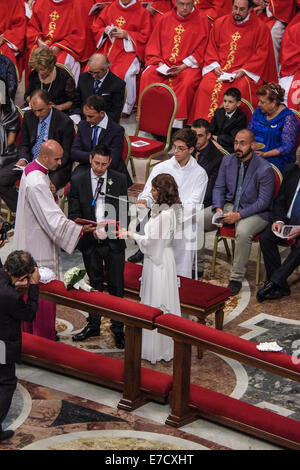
159	286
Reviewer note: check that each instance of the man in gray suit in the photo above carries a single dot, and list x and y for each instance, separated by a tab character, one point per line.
243	195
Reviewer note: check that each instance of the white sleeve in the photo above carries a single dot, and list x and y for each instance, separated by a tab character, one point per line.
190	61
128	45
210	67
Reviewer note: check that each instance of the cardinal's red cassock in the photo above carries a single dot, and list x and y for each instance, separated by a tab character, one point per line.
12	28
174	41
125	55
290	66
54	24
234	46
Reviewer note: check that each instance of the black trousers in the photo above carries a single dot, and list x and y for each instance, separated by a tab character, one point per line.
102	264
8	383
276	271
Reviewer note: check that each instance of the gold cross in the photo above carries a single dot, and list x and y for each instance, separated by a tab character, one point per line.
54	16
179	29
120	21
236	36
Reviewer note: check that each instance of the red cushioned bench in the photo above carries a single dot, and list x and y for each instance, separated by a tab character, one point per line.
91	367
196	297
135	316
189	402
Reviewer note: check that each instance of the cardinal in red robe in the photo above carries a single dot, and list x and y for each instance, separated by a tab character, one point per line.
179	42
121	32
85	43
53	23
276	14
239	43
290	66
12	28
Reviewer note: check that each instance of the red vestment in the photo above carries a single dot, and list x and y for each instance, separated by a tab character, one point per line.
281	10
173	40
135	19
161	7
235	46
55	24
290	63
85	43
12	27
214	8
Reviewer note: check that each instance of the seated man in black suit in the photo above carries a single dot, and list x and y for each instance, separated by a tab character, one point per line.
99	80
286	211
228	120
98	128
207	156
97	194
40	123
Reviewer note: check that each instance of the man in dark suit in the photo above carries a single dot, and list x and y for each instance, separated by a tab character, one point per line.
207	156
97	194
19	267
228	120
99	80
96	128
243	196
40	123
286	211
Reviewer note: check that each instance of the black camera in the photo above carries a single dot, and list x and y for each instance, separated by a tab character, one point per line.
6	227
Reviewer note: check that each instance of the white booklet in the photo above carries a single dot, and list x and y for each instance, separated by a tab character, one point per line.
285	231
217	219
227	77
139	143
164	69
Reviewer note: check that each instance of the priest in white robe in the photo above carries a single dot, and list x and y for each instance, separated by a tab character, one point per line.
42	228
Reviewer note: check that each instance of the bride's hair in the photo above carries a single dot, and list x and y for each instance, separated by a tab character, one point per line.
167	189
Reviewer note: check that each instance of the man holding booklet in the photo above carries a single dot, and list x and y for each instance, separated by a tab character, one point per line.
100	195
284	229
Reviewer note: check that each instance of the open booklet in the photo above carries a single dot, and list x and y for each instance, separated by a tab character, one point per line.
164	69
285	231
227	77
217	219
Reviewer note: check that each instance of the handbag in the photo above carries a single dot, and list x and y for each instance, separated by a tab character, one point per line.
10	155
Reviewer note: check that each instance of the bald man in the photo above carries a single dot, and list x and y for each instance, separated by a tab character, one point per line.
99	80
40	123
41	227
243	194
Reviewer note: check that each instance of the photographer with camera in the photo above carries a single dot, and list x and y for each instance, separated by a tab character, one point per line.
19	270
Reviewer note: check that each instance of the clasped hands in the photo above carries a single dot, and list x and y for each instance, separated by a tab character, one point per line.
229	217
238	73
116	32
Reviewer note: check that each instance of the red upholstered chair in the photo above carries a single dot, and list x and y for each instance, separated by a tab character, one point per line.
157	109
228	233
247	108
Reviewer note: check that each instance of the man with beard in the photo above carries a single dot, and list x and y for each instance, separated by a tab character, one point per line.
243	195
240	44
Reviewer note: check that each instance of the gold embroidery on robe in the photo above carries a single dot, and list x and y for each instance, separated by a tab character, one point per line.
177	41
52	26
218	86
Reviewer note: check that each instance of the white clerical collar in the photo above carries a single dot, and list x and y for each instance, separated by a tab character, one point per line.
244	20
129	4
184	16
37	160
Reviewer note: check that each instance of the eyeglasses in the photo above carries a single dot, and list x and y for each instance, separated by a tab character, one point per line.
179	149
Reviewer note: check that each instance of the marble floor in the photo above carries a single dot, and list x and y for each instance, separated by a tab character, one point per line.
51	411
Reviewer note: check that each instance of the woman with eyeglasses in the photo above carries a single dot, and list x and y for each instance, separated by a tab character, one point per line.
48	76
159	286
275	127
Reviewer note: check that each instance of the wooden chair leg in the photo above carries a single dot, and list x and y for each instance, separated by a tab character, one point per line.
214	256
132	395
219	319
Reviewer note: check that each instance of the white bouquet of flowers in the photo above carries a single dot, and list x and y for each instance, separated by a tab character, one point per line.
72	276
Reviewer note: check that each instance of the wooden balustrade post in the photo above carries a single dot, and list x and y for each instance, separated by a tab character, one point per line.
181	413
133	397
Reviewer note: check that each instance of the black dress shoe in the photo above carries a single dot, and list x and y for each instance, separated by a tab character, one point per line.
119	340
86	333
136	258
6	435
200	274
234	286
272	291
